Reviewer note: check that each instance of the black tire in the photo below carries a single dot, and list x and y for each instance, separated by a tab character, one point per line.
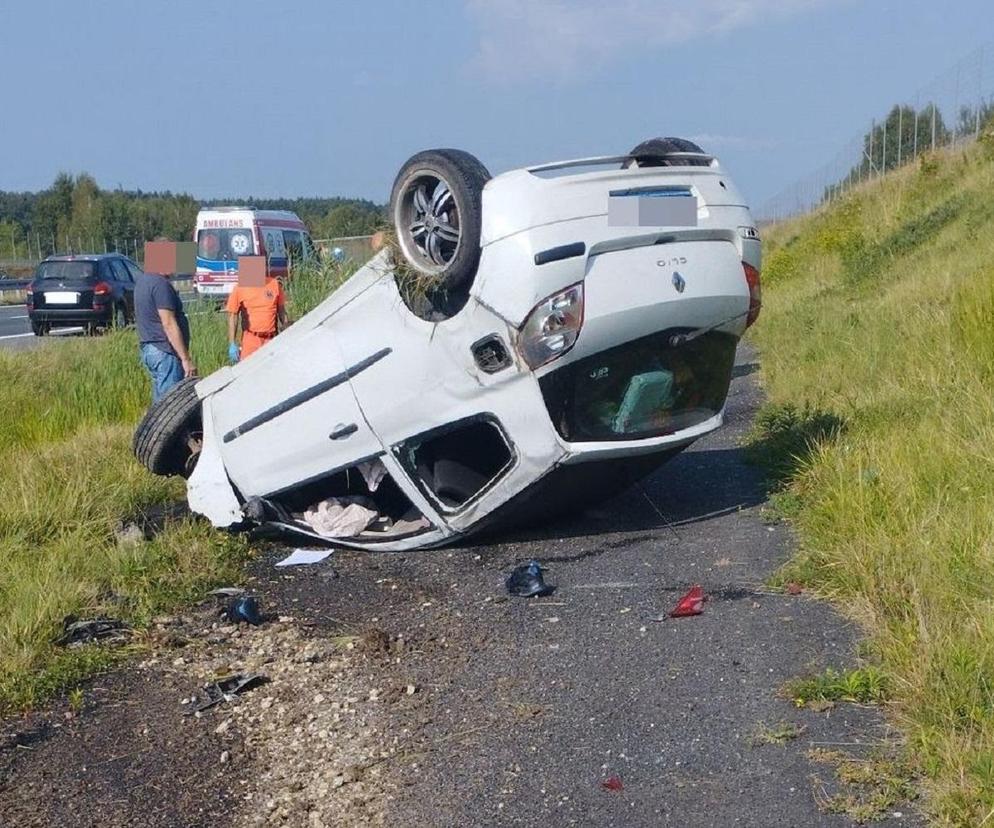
40	328
163	438
654	152
426	219
119	318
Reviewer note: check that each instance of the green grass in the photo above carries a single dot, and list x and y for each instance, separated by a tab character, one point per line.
877	346
866	685
867	789
779	733
67	476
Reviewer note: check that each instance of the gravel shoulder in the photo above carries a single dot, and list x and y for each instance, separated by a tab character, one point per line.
408	689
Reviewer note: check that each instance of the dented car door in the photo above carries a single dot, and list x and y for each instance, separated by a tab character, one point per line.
291	416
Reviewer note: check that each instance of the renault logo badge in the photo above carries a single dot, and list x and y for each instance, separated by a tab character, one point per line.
679	282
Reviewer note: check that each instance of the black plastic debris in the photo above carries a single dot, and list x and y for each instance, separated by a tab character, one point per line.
225	690
526	580
244	610
227	592
76	631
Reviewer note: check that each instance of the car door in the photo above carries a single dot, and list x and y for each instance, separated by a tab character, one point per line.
125	286
290	415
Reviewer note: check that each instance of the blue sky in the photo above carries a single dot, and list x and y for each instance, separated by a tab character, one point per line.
329	98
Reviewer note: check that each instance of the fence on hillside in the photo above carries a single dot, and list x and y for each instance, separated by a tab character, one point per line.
948	112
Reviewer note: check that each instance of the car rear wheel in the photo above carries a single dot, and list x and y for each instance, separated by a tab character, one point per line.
169	437
40	328
120	318
437	215
656	152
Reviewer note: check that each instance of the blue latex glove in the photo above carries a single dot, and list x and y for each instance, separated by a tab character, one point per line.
234	352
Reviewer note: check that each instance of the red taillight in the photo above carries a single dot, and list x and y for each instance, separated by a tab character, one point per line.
755	292
102	289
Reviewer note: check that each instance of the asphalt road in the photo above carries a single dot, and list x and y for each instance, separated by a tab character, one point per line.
15	332
529	705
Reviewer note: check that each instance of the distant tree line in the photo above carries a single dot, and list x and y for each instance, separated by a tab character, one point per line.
76	215
906	133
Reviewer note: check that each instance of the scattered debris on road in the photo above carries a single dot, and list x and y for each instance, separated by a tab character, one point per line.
301	557
244	609
613	783
225	690
227	592
690	604
526	581
76	632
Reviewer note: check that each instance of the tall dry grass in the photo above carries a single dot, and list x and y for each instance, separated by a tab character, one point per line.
877	343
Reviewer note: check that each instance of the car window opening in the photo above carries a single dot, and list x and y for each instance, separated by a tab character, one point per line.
458	464
359	503
642	389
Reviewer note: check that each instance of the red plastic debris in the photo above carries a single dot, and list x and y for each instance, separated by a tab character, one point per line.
613	783
794	588
691	604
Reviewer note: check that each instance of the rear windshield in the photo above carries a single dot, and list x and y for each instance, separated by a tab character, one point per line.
65	270
224	245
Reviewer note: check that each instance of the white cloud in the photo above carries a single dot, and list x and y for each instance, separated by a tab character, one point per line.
561	38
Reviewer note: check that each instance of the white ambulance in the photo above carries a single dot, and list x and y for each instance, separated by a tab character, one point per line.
223	234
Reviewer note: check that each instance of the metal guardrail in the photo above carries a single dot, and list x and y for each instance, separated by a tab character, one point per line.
13	284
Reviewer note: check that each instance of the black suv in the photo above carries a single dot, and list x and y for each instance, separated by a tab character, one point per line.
95	291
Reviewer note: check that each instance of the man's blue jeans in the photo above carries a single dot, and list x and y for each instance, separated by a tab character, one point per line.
165	368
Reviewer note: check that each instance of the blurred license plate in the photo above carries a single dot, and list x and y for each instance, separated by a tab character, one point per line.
59	297
652	211
212	288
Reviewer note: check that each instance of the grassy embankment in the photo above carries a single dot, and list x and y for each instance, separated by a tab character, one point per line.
877	343
67	476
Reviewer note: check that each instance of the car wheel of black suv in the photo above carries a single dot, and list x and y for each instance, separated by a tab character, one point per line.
170	435
40	328
119	319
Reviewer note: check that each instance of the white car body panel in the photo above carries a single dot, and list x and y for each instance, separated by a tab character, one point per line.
209	491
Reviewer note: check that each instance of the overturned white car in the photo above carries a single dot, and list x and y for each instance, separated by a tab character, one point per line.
571	326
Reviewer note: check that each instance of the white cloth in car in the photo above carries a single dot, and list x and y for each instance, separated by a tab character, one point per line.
372	471
340	517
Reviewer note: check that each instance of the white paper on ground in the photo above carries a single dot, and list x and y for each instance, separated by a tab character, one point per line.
305	556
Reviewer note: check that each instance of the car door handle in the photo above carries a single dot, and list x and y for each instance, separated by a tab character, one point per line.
343	431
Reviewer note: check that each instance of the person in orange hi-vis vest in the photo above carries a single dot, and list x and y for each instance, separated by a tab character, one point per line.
257	301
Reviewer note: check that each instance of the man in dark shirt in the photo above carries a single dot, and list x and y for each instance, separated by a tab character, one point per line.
163	329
